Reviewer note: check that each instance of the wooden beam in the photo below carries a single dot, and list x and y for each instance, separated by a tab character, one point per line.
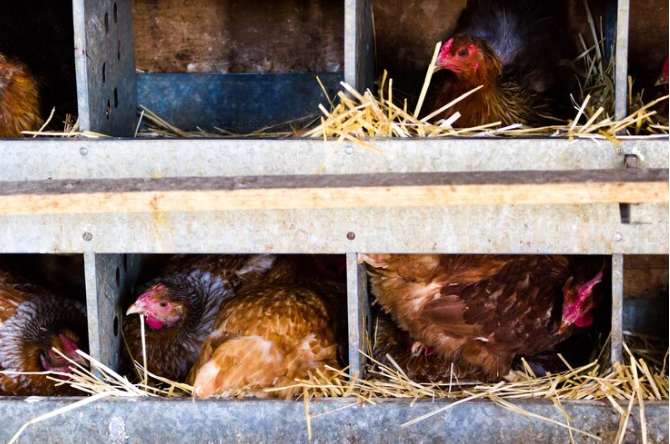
334	191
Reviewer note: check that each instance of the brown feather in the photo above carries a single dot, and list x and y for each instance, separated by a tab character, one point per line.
504	306
19	99
31	320
276	329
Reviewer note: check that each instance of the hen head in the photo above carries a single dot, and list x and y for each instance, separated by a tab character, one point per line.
578	301
468	57
162	305
66	343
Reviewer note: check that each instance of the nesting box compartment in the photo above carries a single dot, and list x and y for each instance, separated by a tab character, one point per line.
226	64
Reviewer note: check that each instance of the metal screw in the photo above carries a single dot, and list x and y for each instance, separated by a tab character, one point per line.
351	235
83	151
349	149
618	237
87	236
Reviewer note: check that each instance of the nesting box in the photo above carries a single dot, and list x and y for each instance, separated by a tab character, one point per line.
240	67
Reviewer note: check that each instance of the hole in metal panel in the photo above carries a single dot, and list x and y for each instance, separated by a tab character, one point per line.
116	13
104	72
116	97
106	23
118	50
118	277
116	326
108	110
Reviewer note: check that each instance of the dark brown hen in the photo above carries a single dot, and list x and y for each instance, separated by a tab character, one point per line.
32	322
480	311
275	330
516	50
180	308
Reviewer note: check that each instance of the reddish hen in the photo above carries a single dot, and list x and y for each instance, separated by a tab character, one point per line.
480	311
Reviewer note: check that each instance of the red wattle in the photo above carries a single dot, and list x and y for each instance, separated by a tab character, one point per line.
154	323
584	320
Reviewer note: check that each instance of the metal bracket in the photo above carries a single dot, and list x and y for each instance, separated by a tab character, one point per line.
629	161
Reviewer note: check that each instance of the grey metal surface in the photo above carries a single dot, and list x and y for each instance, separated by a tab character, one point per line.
358	312
621	56
358	44
239	103
530	229
341	420
617	308
105	64
88	159
108	277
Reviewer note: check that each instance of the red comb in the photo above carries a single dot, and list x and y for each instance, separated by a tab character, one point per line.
70	347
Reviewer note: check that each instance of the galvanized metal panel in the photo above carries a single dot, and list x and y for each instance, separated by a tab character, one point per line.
358	44
239	103
527	229
105	64
616	334
358	313
108	277
621	56
89	159
334	421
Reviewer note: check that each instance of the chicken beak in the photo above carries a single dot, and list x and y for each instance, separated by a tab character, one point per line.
136	308
564	326
662	80
438	67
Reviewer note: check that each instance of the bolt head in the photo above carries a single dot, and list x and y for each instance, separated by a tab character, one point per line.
87	236
351	235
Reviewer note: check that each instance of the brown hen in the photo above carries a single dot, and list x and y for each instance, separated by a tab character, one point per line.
504	99
276	329
32	322
480	311
180	308
19	99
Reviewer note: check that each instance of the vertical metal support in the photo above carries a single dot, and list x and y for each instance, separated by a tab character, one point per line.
358	44
621	59
105	65
108	278
617	308
358	310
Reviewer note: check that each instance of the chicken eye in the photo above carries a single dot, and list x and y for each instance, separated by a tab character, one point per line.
163	304
463	52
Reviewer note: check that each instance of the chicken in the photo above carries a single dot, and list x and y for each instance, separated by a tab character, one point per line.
420	363
40	33
526	36
276	329
472	63
518	51
32	322
480	311
180	308
19	99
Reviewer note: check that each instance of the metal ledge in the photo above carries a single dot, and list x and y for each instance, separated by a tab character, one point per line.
148	420
136	158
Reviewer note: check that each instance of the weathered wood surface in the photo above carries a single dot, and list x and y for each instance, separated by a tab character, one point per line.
334	191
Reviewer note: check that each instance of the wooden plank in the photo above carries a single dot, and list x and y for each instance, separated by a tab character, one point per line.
336	191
